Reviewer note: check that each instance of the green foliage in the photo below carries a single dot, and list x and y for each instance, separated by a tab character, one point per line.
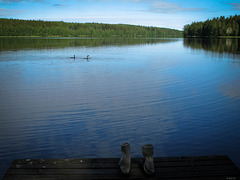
15	27
220	26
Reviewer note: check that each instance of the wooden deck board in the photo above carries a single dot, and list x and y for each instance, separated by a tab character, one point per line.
203	167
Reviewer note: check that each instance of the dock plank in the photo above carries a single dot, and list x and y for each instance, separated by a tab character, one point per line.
202	167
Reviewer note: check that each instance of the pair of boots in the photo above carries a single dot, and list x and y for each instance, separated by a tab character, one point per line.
125	161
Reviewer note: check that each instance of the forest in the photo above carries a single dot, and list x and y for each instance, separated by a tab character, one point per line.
215	27
16	27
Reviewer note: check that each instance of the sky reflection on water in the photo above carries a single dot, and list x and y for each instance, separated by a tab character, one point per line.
184	102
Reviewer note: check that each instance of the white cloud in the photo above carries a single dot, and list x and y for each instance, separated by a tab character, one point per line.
59	5
8	12
136	0
161	6
235	6
14	1
10	1
165	7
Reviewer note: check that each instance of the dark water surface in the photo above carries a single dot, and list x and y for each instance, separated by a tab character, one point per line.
183	96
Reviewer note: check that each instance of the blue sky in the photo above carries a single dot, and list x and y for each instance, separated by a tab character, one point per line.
160	13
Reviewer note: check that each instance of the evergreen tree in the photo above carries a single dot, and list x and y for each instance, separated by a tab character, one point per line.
15	27
219	26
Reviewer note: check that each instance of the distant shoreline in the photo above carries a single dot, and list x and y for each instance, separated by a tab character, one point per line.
87	37
16	27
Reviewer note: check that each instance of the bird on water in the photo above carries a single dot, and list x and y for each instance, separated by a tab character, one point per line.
87	57
73	57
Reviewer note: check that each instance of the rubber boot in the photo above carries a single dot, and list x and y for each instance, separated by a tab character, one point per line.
148	166
125	161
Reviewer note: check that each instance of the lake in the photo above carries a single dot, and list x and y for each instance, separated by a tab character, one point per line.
181	95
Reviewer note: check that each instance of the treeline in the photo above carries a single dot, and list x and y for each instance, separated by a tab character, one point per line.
15	27
219	26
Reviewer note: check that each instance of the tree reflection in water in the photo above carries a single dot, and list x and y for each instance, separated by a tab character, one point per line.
228	48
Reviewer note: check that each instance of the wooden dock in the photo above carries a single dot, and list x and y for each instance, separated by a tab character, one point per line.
179	168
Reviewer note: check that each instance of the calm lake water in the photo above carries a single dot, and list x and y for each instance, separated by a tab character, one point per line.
182	96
